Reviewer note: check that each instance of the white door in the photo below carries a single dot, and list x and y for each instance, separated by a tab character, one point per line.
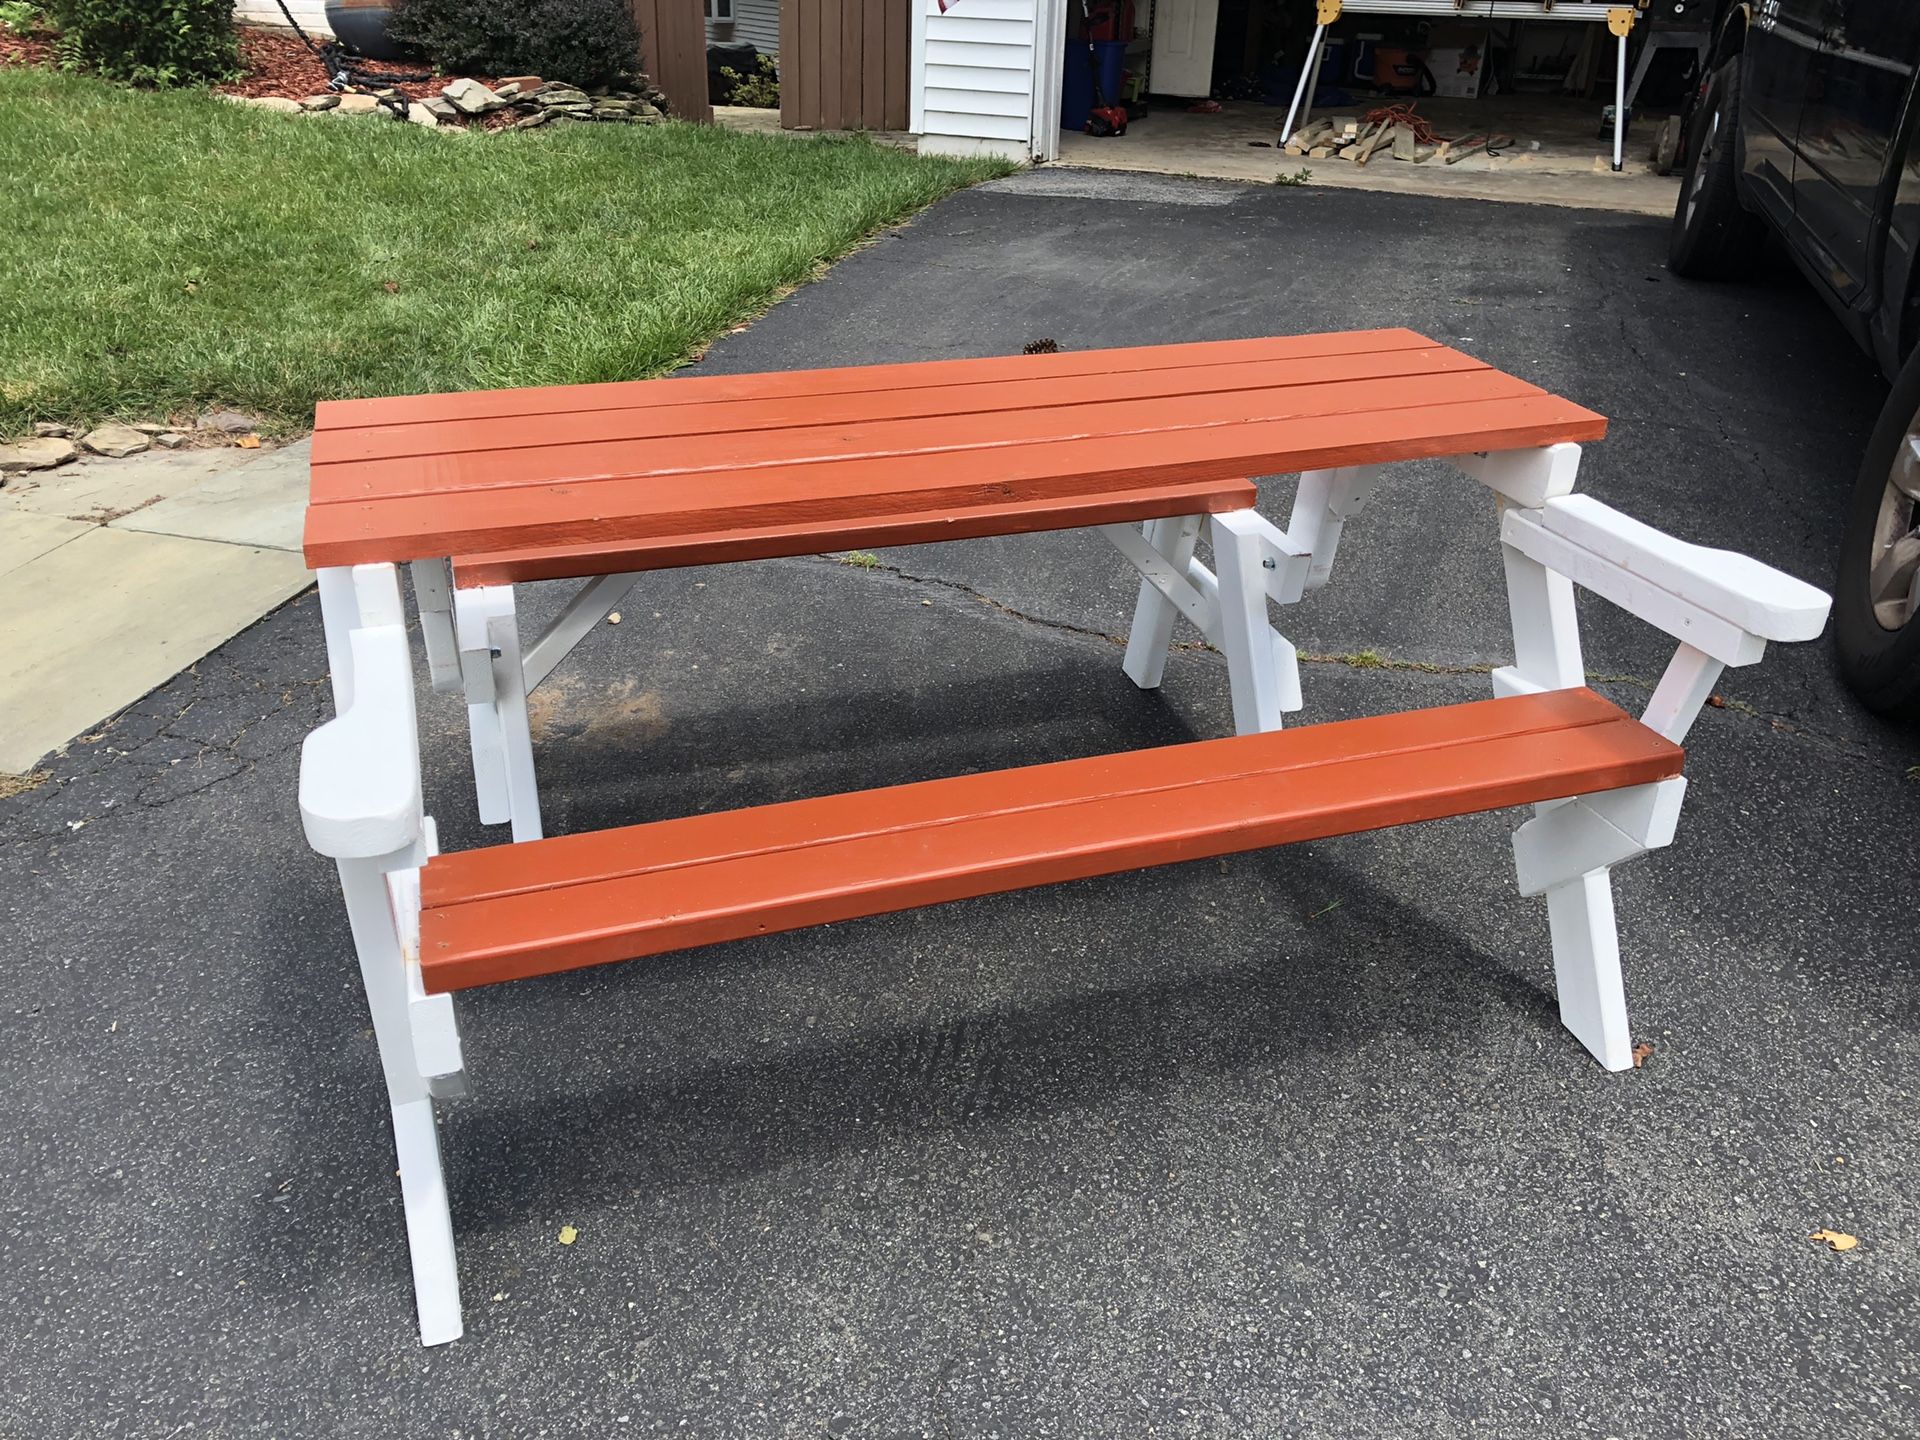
1183	46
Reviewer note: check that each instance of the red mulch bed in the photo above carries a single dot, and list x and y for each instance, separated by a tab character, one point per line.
276	63
22	50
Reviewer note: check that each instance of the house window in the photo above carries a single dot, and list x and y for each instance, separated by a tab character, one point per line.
719	12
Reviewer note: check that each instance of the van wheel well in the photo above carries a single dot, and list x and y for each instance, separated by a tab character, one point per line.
1732	38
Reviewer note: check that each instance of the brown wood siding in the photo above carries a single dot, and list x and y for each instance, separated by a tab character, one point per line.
843	64
673	50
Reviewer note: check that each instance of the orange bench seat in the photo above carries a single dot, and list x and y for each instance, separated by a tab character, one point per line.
513	911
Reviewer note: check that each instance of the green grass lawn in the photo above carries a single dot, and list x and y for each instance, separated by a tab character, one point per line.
160	252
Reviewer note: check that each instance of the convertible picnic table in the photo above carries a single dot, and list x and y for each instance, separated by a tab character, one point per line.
1157	448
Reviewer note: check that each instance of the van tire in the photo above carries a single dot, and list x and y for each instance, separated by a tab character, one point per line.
1881	666
1714	236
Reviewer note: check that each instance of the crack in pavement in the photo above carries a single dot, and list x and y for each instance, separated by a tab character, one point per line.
1354	660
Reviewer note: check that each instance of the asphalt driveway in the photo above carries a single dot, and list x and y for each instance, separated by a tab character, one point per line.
1287	1145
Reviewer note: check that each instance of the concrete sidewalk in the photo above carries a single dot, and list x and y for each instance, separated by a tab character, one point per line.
117	574
1287	1145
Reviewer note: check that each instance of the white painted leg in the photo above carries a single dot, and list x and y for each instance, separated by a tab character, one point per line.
1586	943
340	614
523	792
423	1193
1586	967
433	597
1252	668
378	941
1173	540
1322	504
489	764
495	679
1546	630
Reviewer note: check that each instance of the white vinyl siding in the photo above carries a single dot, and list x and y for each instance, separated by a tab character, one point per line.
755	21
973	75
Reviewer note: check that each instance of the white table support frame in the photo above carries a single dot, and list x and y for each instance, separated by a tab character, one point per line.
360	797
473	642
1617	18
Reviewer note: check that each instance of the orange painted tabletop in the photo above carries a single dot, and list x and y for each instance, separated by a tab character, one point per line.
596	468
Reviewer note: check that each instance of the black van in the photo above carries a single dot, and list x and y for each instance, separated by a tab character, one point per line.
1805	125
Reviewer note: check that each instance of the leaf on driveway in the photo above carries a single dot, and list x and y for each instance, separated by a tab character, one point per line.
1835	1240
1642	1053
568	1234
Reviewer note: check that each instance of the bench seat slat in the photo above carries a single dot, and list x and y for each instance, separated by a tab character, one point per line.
559	904
851	379
852	533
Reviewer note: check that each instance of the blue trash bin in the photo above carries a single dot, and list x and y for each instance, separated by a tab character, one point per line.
1076	79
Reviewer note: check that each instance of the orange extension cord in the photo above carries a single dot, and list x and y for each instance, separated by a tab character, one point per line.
1405	114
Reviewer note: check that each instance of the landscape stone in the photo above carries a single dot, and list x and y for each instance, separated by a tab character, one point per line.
116	441
470	97
507	93
320	102
441	109
275	102
42	453
538	117
356	105
421	115
148	428
229	422
170	441
46	428
525	84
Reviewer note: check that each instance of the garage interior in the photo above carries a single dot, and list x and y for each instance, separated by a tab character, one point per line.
1522	96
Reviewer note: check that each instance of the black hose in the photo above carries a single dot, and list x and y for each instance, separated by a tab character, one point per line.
342	75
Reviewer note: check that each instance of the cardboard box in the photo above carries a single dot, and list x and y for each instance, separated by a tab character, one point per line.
1457	70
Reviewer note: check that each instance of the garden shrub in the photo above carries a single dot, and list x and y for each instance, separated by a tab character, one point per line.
22	17
583	42
148	42
760	90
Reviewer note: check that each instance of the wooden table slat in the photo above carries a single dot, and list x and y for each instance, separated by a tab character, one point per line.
681	463
769	416
848	379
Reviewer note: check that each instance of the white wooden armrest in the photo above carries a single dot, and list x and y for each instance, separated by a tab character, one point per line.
360	772
1720	603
